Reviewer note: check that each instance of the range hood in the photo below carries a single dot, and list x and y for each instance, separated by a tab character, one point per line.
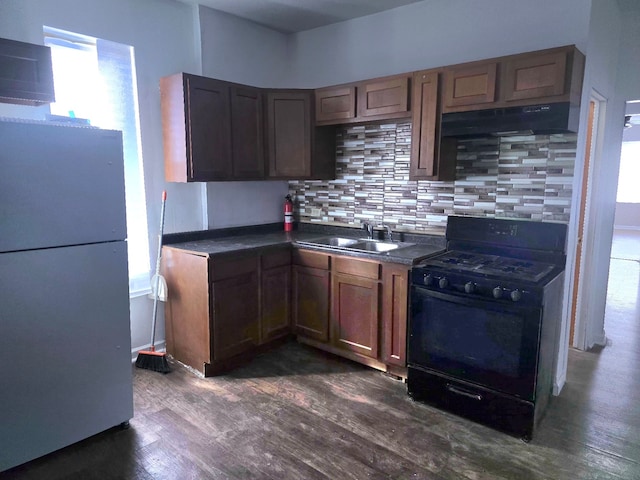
532	119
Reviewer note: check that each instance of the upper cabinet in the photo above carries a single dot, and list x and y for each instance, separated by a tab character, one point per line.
296	149
289	133
247	137
379	99
432	157
26	75
215	131
470	85
545	76
196	132
335	104
535	76
385	97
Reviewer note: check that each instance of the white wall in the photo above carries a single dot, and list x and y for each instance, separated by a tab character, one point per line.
240	51
162	34
434	33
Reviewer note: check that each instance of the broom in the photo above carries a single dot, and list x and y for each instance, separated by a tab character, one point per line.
150	359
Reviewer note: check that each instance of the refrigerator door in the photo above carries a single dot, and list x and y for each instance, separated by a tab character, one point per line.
65	347
59	186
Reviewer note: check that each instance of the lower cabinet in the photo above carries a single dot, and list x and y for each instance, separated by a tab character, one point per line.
234	296
352	307
311	281
395	313
355	306
223	309
275	294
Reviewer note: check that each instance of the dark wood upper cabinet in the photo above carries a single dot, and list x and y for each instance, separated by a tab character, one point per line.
389	96
544	76
470	85
432	158
247	133
289	133
296	148
26	75
196	128
335	104
534	76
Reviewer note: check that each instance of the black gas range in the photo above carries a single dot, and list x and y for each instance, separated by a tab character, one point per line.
484	321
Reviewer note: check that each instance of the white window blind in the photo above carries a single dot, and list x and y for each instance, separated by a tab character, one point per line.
96	79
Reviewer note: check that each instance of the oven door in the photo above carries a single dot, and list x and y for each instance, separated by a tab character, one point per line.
489	343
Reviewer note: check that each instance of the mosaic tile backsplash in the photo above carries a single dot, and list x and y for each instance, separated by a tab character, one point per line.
526	177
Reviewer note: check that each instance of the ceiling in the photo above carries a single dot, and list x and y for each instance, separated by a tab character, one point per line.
290	16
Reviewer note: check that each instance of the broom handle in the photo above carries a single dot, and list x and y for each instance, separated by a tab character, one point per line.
157	275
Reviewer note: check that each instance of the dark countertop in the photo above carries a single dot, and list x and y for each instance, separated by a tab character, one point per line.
224	241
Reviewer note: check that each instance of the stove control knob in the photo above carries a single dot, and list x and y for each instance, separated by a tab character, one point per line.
427	279
516	295
443	283
469	287
497	292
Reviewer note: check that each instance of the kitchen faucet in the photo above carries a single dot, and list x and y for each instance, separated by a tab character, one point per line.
389	232
369	228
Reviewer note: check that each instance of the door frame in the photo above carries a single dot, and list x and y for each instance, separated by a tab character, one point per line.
579	263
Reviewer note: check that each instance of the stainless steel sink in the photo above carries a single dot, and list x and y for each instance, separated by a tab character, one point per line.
355	244
373	246
338	242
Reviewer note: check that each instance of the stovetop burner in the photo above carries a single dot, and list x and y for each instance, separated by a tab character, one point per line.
495	265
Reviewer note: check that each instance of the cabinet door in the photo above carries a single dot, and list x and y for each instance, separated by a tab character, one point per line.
187	309
289	134
311	302
432	157
235	315
335	104
355	314
275	295
247	144
384	97
208	132
533	76
26	76
395	291
471	85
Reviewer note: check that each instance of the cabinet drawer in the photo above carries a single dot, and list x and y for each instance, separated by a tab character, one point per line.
307	258
222	268
359	268
278	258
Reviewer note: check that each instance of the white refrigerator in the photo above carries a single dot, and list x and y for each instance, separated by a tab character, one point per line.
65	341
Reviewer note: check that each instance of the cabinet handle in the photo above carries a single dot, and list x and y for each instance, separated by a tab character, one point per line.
459	391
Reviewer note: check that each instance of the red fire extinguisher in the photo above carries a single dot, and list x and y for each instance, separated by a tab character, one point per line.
288	213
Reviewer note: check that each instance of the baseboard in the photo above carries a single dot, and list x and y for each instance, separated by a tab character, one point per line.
634	228
558	383
160	347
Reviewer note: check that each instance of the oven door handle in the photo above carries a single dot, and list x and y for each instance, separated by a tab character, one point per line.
464	393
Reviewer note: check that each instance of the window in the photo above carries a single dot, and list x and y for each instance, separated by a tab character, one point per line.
96	79
628	191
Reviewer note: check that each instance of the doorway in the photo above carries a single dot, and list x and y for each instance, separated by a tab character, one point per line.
593	145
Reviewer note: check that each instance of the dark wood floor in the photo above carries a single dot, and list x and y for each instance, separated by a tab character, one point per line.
295	413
